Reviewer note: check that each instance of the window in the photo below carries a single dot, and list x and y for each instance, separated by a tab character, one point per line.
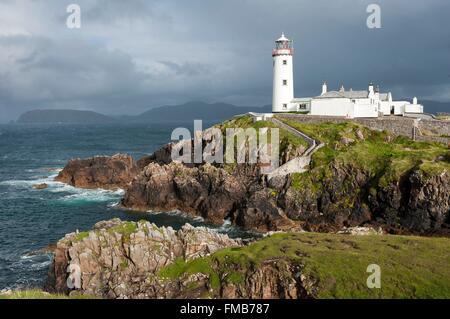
284	62
284	82
284	106
302	106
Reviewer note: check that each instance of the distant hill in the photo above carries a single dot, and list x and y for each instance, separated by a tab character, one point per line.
196	111
64	116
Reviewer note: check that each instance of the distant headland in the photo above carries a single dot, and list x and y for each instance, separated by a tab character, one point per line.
170	113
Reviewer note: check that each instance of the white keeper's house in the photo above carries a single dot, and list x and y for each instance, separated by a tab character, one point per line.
346	103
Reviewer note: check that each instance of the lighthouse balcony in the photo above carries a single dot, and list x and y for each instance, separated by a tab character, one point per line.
277	52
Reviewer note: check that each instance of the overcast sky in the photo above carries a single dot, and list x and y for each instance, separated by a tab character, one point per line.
132	55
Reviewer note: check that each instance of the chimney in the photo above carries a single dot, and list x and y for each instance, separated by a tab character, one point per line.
415	101
324	88
371	88
342	89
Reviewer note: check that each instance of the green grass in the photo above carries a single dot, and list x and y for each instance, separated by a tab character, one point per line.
125	229
246	121
411	267
39	294
82	235
383	157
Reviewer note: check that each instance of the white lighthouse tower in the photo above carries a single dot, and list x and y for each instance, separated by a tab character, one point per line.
283	75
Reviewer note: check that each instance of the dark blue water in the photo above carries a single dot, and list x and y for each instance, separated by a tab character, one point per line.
32	219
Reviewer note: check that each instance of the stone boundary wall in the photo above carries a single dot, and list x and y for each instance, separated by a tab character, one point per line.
428	130
435	128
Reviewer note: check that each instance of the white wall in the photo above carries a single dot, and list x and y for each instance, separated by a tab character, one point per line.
332	107
399	107
283	94
413	108
363	108
385	107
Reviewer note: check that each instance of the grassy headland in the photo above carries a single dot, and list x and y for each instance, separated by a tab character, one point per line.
384	157
411	267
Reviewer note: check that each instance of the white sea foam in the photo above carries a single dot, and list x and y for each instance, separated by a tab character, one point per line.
92	195
226	226
49	180
41	265
70	193
182	214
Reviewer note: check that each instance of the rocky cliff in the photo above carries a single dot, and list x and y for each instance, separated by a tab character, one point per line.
100	172
360	177
123	259
210	192
139	260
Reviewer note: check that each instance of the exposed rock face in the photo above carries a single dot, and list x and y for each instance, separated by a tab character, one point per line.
274	279
345	197
40	186
207	191
360	231
161	156
99	172
122	259
416	203
421	202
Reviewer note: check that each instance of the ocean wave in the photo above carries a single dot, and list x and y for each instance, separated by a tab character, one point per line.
69	193
93	195
179	213
226	226
32	262
40	265
27	183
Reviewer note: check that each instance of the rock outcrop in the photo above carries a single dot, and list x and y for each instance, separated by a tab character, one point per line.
413	203
123	259
40	186
339	194
207	191
100	172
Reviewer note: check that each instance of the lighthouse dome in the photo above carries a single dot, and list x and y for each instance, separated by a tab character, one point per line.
282	38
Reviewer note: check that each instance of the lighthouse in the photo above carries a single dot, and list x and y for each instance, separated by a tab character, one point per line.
283	75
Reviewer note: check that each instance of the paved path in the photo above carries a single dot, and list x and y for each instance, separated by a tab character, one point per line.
298	164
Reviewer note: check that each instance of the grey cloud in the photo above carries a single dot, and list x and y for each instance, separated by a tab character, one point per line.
188	69
132	55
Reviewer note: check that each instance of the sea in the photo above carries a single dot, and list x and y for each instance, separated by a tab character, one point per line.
31	220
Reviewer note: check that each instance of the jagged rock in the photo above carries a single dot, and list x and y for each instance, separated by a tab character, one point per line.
161	156
343	197
207	191
40	186
346	141
361	231
274	279
99	172
122	259
415	203
360	135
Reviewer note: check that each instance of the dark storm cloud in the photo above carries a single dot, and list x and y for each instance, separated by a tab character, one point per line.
132	55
